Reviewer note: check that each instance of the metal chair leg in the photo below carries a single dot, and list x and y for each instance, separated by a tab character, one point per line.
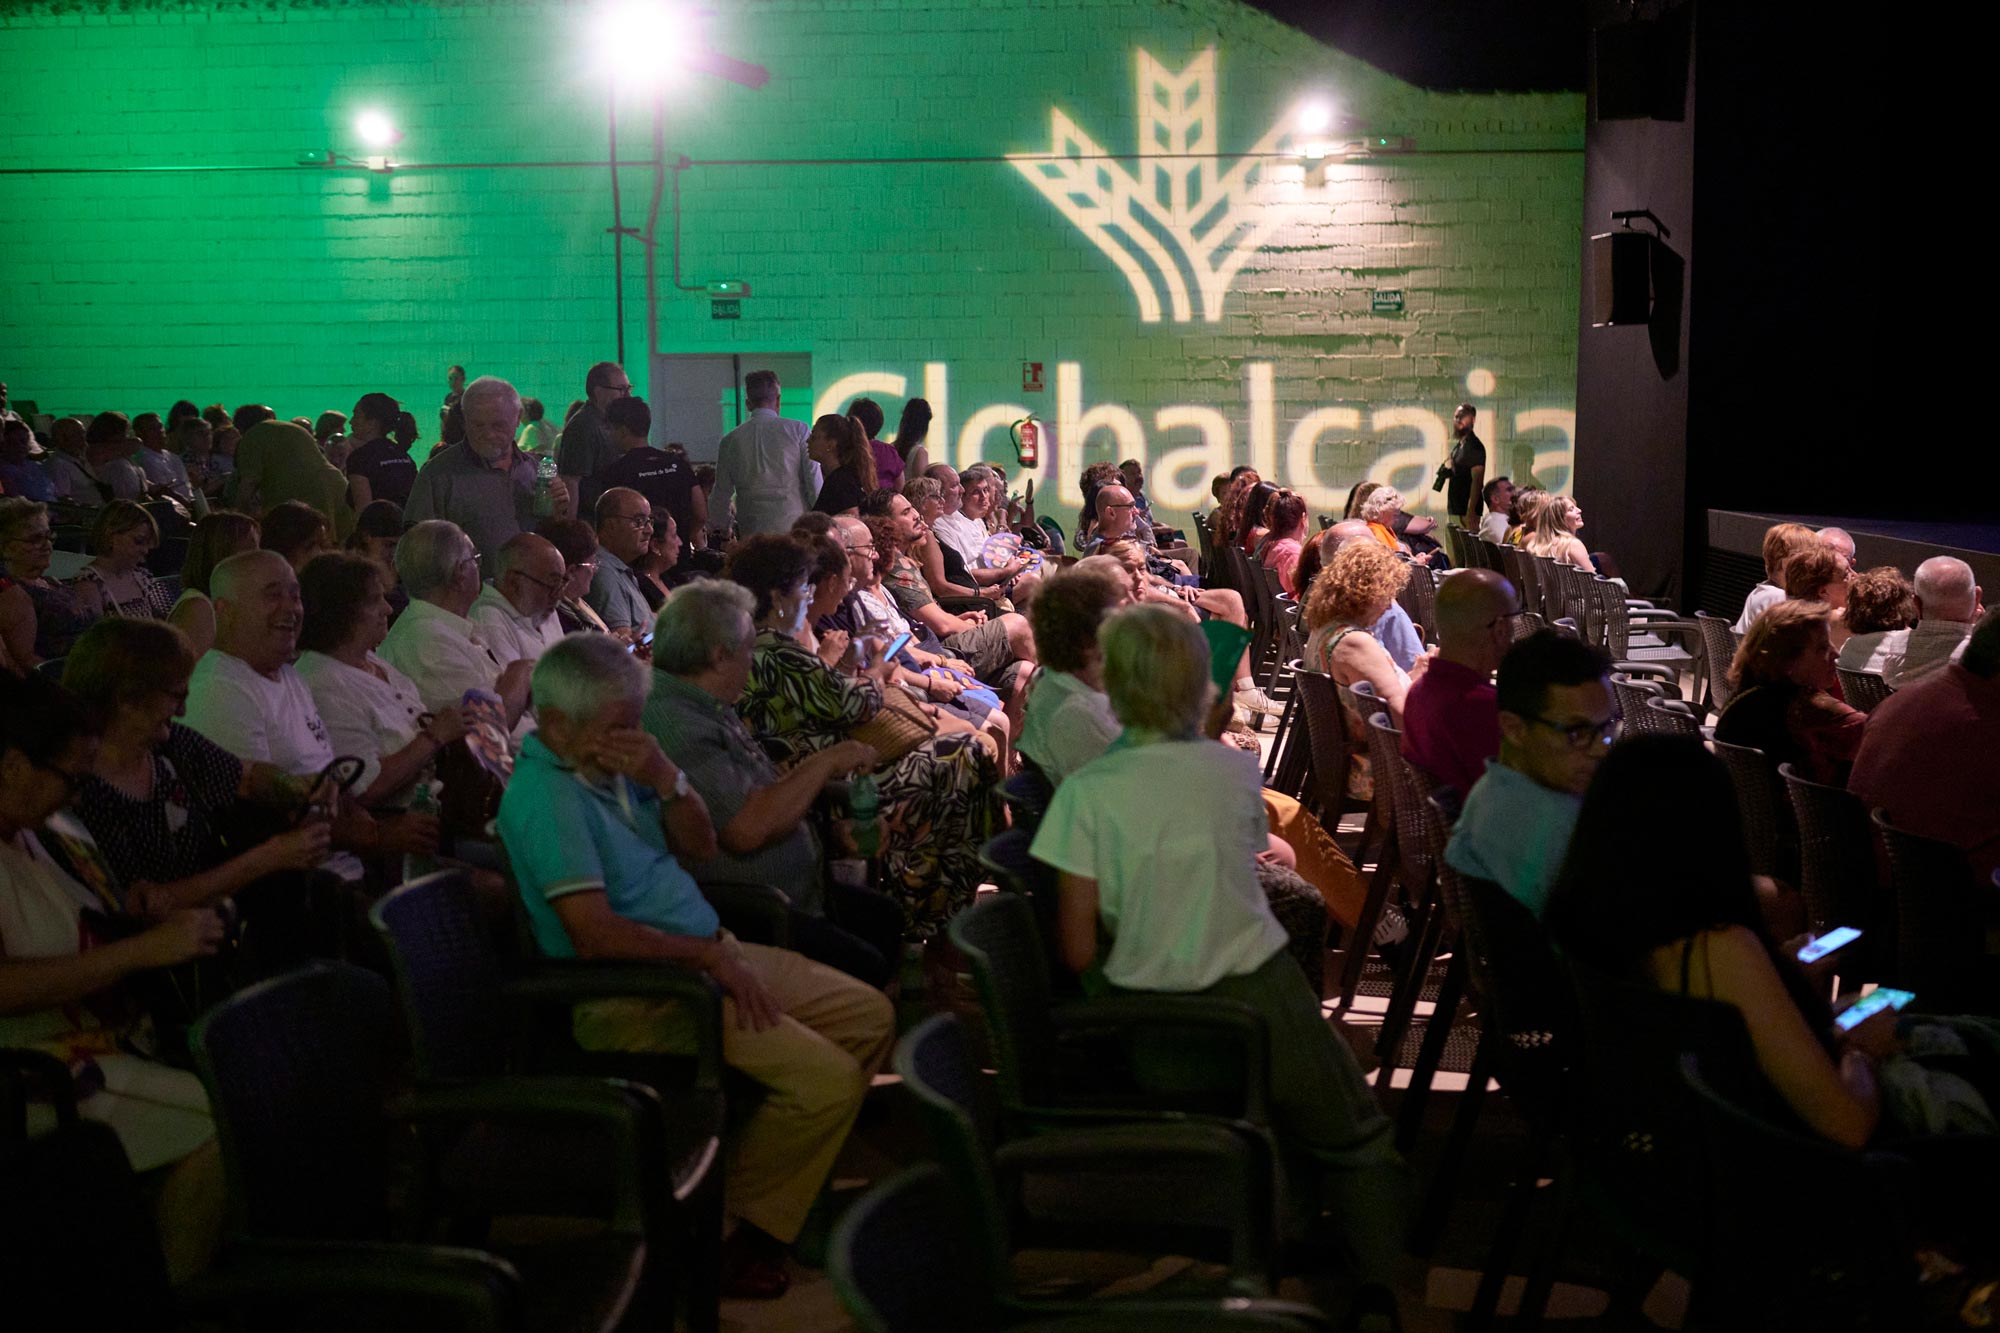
1410	1117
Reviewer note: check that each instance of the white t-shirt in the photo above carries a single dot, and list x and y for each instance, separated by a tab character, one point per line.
445	654
1066	724
1761	599
164	469
1494	526
258	718
365	716
511	635
1176	879
965	535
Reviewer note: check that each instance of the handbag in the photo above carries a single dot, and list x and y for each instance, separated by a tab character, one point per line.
897	728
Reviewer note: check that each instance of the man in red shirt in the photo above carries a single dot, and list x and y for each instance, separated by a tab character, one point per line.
1931	753
1451	719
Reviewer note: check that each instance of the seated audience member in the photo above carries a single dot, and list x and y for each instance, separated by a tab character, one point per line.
1118	521
165	473
1783	702
1350	595
371	710
223	533
1395	631
378	468
762	816
1196	604
538	434
1382	511
1357	496
1173	885
246	696
867	414
1820	574
1554	538
278	462
63	464
935	799
913	429
39	617
666	481
944	569
659	566
433	642
1254	522
979	518
847	464
107	460
1949	604
1931	753
1288	531
483	483
120	540
1839	540
1067	720
378	530
1498	495
1529	501
1557	719
596	820
193	442
1451	716
158	791
812	524
1094	479
1880	601
1132	473
963	524
1648	920
1781	542
516	613
991	646
295	531
577	544
624	530
330	430
69	1001
18	473
1225	525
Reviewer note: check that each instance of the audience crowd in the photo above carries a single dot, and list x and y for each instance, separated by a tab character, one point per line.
259	672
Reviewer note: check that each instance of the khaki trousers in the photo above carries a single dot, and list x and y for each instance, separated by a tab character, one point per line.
1321	863
814	1066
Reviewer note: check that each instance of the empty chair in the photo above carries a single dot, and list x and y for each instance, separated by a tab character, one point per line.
1940	923
1863	689
1673	716
1836	859
1026	794
1718	650
1632	695
1768	829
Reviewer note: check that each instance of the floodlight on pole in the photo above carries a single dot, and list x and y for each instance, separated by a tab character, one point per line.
643	42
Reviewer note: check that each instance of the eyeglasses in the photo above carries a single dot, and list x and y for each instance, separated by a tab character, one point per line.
1118	504
870	548
547	585
633	520
1582	735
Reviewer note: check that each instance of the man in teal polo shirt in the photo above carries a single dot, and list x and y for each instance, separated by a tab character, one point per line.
596	821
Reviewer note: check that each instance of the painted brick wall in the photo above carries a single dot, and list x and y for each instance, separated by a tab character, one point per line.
304	286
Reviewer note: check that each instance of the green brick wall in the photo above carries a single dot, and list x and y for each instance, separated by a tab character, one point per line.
864	195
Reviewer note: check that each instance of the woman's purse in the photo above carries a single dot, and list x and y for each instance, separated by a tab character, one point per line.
899	726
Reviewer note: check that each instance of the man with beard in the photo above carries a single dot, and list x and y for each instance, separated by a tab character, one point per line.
485	484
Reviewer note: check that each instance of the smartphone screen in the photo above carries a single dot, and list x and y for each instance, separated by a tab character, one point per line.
1874	1002
896	645
1838	938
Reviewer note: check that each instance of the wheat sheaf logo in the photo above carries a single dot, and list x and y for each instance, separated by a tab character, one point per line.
1178	225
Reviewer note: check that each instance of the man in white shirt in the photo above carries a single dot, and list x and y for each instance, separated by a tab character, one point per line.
107	442
516	613
762	465
64	463
162	467
1499	496
246	697
1949	604
433	642
963	531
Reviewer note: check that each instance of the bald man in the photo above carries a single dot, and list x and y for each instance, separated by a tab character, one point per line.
1451	717
1949	603
516	612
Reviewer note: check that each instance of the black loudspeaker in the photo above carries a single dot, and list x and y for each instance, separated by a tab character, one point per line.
1639	68
1621	278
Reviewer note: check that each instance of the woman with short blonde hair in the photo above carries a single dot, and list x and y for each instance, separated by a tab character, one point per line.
121	539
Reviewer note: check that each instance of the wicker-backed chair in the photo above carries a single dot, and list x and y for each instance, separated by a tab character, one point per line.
1718	650
1768	829
1675	717
1632	694
1419	600
1940	922
1837	867
1864	690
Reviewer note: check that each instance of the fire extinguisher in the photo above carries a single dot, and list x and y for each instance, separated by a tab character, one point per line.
1027	434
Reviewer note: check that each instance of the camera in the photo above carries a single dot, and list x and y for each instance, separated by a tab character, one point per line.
1443	477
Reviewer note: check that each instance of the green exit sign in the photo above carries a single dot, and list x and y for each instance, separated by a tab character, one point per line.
1387	301
725	309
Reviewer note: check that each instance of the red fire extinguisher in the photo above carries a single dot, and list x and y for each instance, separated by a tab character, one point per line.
1027	433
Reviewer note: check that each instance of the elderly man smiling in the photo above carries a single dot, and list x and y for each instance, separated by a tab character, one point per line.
485	485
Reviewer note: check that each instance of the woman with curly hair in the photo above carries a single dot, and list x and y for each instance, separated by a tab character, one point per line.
1350	595
1784	702
935	800
1880	601
1227	523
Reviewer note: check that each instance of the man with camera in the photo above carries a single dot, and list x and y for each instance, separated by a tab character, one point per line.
1465	473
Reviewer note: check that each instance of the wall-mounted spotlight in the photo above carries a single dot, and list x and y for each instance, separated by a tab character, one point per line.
375	129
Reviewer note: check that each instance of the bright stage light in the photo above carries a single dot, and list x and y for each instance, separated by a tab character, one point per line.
1315	117
643	41
376	129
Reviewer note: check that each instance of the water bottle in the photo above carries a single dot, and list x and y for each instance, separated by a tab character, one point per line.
864	805
545	500
415	864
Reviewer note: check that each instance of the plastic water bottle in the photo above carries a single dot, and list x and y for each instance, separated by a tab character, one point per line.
864	804
545	500
415	864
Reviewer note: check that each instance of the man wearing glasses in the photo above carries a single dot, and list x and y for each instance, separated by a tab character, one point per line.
586	446
624	529
1556	721
516	612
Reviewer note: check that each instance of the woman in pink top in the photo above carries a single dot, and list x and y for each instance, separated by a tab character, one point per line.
1287	514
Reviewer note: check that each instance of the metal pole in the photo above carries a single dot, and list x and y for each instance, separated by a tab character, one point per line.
617	231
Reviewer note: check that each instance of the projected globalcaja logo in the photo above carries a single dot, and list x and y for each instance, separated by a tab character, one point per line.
1178	229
